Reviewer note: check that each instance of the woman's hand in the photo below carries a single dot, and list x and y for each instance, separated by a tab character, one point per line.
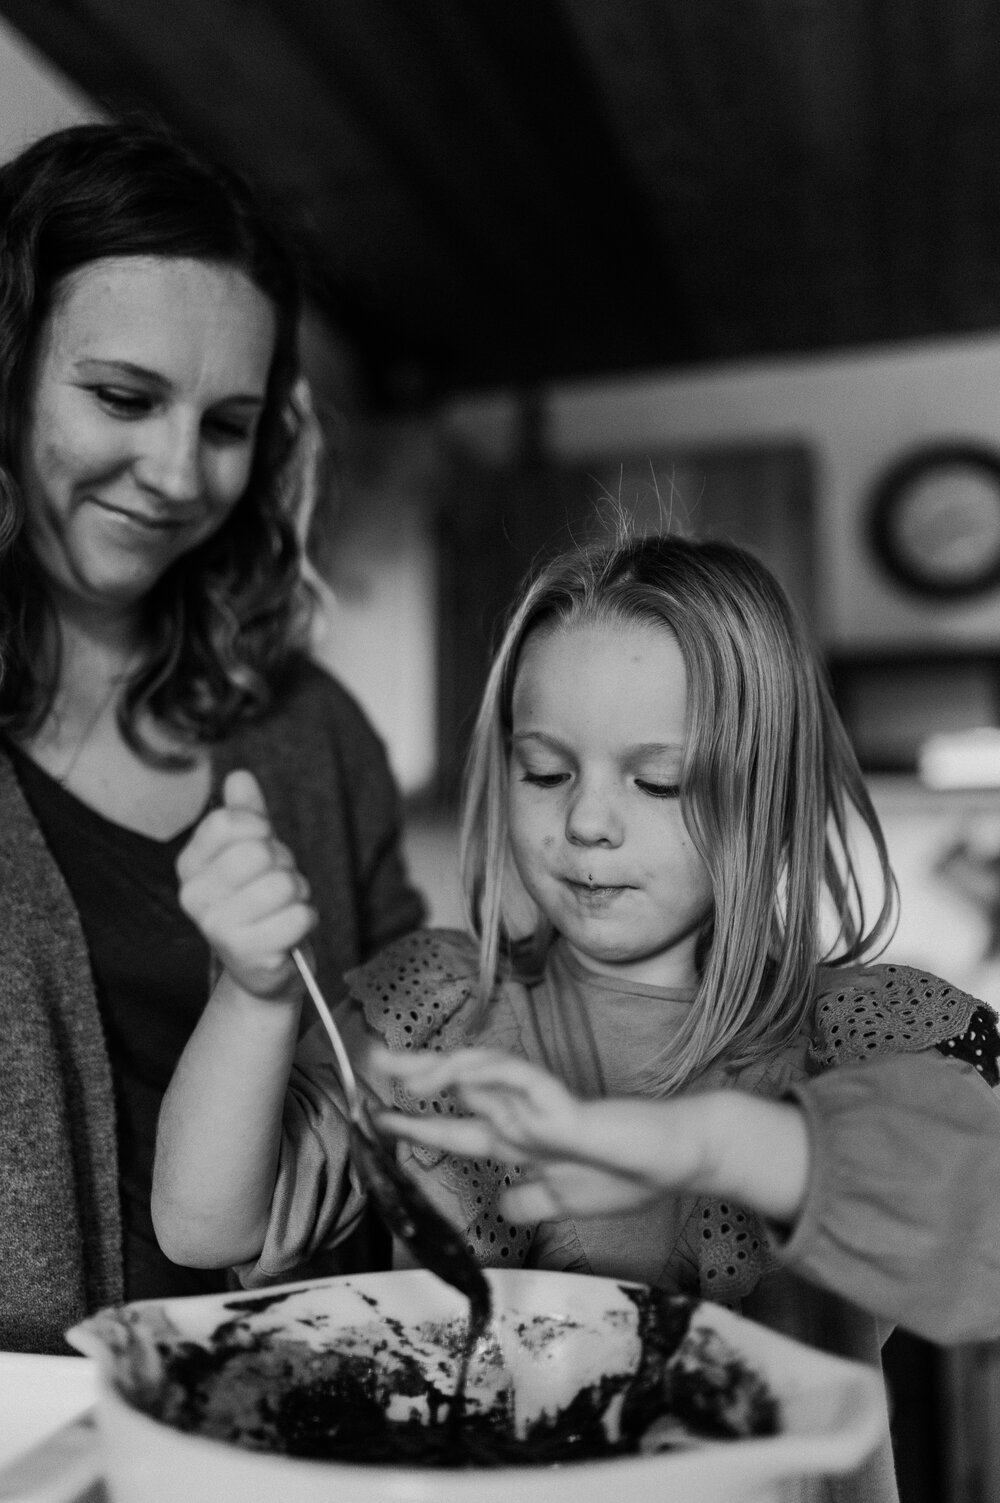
596	1158
241	887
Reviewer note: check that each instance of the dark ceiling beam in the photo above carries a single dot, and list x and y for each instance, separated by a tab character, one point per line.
231	80
494	123
718	141
467	214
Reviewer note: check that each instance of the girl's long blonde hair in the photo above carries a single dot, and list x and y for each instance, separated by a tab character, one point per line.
768	785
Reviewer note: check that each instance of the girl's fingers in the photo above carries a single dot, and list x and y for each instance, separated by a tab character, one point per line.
238	865
278	934
241	816
242	928
530	1201
572	1189
250	888
426	1070
241	790
528	1110
219	830
465	1136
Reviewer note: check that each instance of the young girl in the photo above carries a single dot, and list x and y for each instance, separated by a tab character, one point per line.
655	842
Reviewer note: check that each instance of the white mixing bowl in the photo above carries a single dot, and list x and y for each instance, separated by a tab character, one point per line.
552	1335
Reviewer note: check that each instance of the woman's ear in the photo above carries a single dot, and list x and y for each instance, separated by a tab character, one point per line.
307	462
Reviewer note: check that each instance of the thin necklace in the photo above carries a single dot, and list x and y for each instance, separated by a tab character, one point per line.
62	778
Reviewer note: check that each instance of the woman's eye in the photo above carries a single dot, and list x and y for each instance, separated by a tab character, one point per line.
123	403
658	790
230	430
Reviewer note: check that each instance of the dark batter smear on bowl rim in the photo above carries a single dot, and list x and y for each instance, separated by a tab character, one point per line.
379	1399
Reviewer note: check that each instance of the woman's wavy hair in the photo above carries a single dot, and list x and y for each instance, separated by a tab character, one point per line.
221	620
769	783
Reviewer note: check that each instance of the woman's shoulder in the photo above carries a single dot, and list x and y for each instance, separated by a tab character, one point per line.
307	688
420	991
864	1010
313	728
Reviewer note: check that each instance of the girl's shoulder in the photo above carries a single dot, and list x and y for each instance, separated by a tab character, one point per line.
420	991
864	1010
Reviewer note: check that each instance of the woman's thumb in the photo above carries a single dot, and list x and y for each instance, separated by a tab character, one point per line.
241	790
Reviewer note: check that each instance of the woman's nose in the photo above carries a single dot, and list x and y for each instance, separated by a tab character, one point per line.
170	461
592	818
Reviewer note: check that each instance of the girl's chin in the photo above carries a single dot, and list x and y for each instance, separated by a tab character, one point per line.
659	968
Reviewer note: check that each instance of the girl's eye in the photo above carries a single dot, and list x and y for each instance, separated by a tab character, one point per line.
544	779
658	790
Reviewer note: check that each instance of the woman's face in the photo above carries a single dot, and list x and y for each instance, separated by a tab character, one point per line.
147	388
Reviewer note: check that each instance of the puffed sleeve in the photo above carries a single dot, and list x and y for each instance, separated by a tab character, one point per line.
418	992
902	1213
317	1199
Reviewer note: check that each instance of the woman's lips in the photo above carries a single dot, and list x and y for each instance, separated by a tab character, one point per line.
142	519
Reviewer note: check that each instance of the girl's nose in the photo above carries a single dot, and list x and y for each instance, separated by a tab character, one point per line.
170	462
592	818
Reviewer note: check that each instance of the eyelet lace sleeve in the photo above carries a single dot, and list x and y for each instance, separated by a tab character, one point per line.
895	1009
865	1012
420	993
728	1248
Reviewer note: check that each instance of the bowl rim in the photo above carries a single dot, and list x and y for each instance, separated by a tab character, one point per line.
862	1417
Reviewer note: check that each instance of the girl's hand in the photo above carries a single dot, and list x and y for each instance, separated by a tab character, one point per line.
241	887
582	1158
596	1158
517	1109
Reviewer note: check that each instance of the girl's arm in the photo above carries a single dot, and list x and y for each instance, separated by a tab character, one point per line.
884	1176
597	1157
220	1124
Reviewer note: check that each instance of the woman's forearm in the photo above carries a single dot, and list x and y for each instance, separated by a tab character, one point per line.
219	1133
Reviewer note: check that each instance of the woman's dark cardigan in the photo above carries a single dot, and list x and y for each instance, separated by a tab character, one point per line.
332	799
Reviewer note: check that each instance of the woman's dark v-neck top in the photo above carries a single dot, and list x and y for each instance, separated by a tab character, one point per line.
151	976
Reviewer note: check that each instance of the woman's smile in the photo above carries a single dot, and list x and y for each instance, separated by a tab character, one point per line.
144	521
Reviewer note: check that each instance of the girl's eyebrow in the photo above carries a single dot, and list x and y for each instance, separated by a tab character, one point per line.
540	736
655	749
92	366
631	753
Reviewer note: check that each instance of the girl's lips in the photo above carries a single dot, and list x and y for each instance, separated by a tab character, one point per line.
595	890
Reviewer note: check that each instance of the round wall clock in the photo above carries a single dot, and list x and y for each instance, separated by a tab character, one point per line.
934	520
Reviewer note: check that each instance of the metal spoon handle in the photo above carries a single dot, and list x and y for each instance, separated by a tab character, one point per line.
404	1206
355	1104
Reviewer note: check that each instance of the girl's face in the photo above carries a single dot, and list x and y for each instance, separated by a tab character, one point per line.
599	728
147	389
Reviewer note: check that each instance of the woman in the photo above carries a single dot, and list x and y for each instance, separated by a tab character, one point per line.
153	618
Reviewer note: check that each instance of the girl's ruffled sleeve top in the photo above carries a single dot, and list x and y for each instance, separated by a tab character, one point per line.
902	1213
896	1076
